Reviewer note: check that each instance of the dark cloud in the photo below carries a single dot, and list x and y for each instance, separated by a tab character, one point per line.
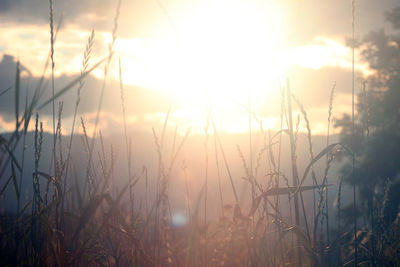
310	18
37	11
304	19
312	88
135	16
139	101
8	67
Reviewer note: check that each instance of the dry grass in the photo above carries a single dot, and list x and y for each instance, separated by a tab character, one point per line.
68	222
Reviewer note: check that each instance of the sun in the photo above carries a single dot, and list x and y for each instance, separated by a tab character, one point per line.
211	53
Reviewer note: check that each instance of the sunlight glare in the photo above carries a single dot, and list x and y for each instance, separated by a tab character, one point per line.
214	52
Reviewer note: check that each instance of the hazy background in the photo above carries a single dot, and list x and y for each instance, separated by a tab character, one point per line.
192	58
173	57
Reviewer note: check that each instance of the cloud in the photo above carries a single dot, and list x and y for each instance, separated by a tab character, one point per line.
37	11
310	18
313	87
138	101
304	20
145	108
135	16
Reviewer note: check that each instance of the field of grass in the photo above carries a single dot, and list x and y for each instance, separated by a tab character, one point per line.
283	219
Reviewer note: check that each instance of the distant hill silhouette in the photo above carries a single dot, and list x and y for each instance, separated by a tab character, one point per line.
144	153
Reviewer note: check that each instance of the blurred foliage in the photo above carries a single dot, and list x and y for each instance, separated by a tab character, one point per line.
376	144
376	141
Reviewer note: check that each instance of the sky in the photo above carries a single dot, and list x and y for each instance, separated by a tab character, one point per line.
192	57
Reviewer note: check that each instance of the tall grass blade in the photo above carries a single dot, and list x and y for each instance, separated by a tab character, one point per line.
17	93
295	177
5	90
87	214
3	189
226	162
14	179
288	190
12	157
353	8
321	154
71	84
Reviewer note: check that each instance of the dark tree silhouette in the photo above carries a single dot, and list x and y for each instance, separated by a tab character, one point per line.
377	131
376	144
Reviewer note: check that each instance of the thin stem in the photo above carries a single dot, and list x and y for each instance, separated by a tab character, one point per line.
106	67
52	80
294	168
226	163
353	2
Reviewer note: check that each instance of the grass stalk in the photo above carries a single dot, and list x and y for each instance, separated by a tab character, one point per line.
310	150
28	111
127	142
226	163
188	212
353	7
282	112
221	199
206	185
327	163
295	176
251	146
52	80
339	226
105	73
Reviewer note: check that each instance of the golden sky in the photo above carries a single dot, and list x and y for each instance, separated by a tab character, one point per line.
192	56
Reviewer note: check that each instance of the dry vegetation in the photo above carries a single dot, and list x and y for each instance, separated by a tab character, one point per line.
76	223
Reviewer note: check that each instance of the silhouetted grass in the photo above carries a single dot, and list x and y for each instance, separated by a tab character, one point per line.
72	222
